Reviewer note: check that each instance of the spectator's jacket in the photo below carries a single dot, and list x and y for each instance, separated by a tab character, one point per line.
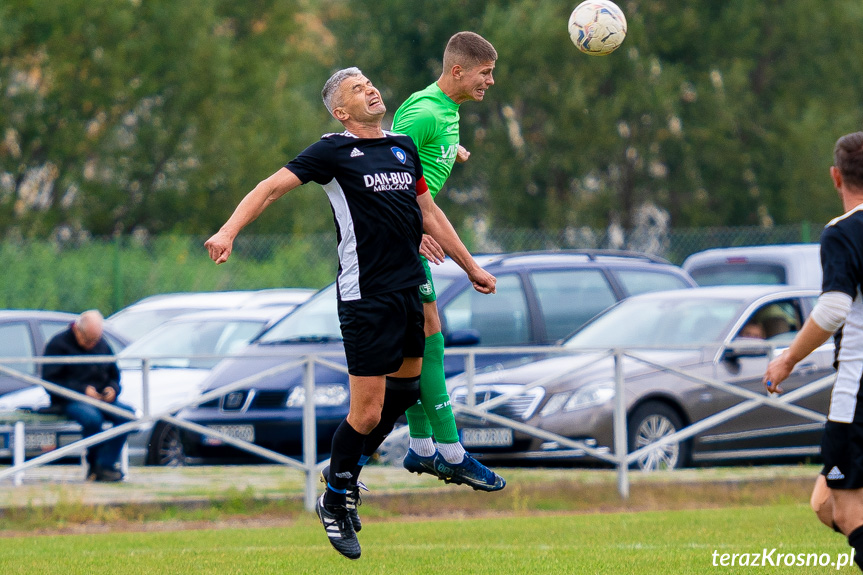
78	376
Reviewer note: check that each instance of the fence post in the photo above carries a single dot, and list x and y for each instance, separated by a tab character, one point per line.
620	431
310	440
18	452
469	372
118	284
145	386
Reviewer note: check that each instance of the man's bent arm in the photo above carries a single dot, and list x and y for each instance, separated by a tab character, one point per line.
248	210
807	340
436	224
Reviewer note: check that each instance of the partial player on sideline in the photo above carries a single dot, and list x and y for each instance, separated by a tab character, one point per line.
837	498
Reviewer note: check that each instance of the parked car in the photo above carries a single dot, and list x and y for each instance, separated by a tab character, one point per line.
541	297
144	315
789	264
576	400
181	353
24	333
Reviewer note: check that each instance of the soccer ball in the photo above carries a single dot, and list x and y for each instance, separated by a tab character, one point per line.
597	27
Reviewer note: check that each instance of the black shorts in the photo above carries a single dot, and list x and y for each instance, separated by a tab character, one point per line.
380	331
842	452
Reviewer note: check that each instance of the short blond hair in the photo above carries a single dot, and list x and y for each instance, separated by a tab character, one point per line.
467	49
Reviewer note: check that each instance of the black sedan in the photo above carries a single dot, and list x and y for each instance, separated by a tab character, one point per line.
696	349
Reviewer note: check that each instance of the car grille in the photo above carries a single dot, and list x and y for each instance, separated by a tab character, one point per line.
520	406
235	400
269	400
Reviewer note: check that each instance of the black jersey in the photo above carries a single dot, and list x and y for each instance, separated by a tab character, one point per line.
842	262
372	185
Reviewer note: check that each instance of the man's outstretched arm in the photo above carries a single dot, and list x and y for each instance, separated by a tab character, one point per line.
250	207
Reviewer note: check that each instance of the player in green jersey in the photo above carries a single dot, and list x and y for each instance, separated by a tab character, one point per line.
430	117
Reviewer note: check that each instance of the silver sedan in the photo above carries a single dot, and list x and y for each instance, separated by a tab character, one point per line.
689	355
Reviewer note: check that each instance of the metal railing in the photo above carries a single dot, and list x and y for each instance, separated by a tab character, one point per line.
620	457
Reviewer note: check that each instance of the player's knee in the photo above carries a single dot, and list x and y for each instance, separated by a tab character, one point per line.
365	421
821	502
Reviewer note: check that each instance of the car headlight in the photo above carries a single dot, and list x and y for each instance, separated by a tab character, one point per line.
587	396
326	395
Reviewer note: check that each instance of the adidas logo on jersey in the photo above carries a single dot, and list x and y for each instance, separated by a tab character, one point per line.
356	153
835	474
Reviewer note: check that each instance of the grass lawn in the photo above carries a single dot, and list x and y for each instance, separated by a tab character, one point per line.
649	542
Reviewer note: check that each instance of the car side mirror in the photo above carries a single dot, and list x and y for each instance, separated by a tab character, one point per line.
461	338
746	349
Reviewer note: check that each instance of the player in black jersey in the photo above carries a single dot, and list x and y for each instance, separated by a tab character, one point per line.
838	495
381	206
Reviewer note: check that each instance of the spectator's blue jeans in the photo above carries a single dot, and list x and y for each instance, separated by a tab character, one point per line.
105	454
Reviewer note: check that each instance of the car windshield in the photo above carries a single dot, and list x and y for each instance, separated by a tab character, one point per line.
315	320
658	322
177	342
136	323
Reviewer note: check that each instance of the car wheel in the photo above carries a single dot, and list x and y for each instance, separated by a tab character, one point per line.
166	446
649	423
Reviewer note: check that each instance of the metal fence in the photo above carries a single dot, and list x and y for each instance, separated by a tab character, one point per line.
77	273
620	457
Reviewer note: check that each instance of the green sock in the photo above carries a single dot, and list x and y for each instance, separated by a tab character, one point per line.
419	424
433	394
418	421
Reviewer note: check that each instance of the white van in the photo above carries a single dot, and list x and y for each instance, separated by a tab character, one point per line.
789	264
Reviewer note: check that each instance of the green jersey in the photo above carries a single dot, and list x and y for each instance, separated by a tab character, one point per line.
430	118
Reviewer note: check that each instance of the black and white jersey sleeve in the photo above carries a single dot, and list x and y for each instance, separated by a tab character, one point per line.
842	263
372	185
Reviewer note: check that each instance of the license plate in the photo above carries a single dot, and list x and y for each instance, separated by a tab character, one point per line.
492	437
40	441
244	432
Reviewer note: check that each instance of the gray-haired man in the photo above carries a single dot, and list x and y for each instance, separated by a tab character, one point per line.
375	186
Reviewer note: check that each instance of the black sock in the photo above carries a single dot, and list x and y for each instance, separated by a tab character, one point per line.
402	392
855	539
346	451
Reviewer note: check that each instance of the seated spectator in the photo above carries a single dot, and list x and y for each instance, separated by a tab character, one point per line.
100	381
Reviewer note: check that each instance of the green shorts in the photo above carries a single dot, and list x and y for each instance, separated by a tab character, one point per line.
427	294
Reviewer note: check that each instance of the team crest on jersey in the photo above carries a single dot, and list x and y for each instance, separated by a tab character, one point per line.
399	154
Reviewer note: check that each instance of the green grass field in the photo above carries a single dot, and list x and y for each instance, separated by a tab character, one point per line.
650	542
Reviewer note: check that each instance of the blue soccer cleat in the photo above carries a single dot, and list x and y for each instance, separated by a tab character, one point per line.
419	464
468	472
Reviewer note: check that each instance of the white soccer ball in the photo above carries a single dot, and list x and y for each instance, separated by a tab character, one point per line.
597	27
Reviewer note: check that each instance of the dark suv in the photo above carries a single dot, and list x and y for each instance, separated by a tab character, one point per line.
541	298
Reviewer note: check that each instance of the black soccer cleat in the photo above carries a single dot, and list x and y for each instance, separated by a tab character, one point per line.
352	496
339	528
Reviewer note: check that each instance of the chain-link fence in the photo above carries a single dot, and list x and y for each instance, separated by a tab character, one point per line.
74	274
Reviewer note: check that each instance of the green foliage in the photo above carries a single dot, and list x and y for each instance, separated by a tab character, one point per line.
108	275
122	116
